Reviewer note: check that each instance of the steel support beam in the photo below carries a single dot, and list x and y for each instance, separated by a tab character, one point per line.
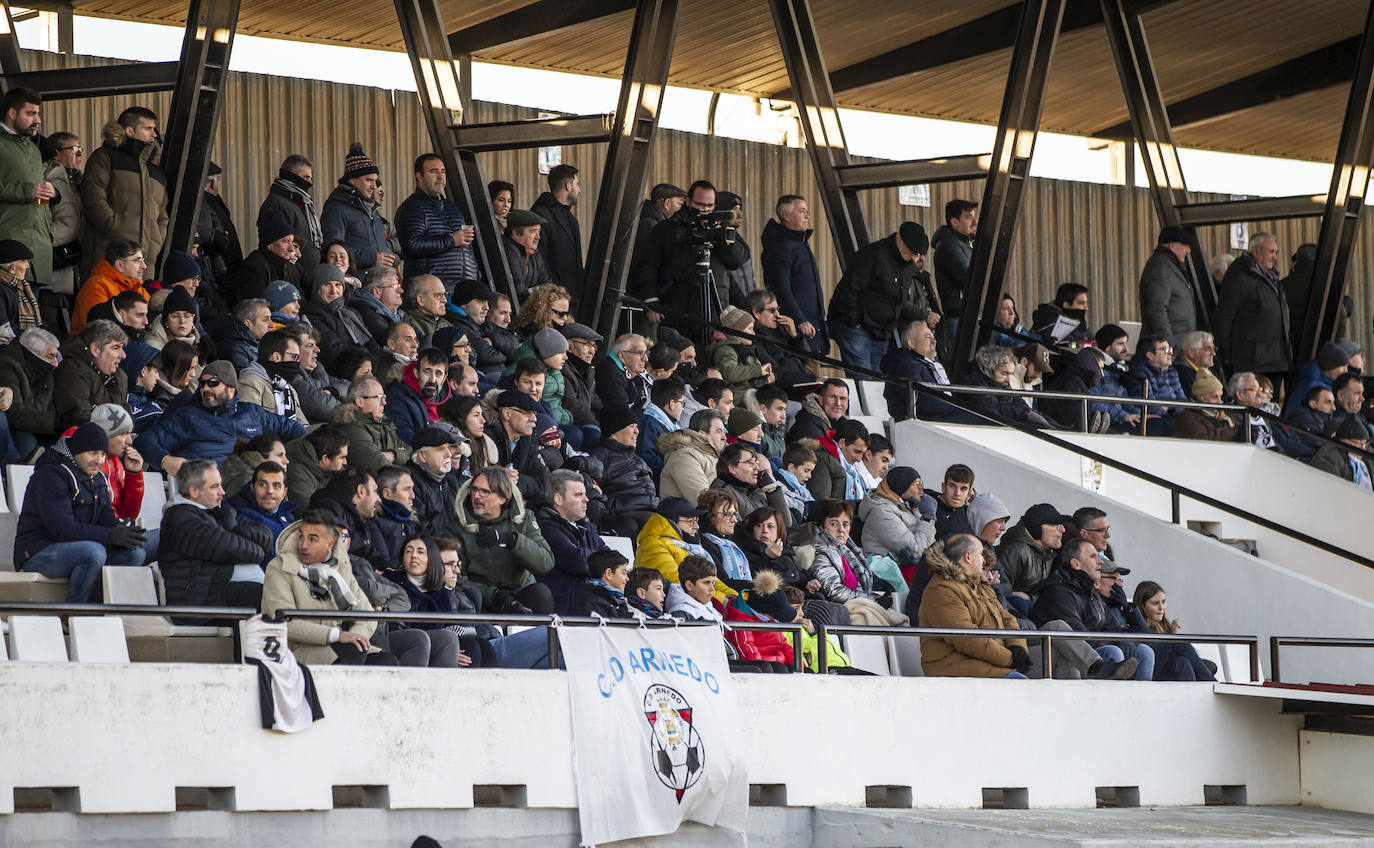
1256	209
820	122
1322	68
99	81
1344	204
10	62
915	171
1017	128
627	162
987	34
445	99
1155	138
518	135
541	18
194	116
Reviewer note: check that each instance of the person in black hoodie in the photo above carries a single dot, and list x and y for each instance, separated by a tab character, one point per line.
560	241
202	540
267	264
1082	373
603	594
1070	303
953	243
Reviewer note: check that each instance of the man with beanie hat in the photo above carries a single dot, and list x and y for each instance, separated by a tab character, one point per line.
435	237
351	213
123	466
1028	550
289	197
140	367
67	527
877	296
741	363
892	523
269	263
181	267
1332	361
1167	305
626	479
1209	424
1344	464
211	425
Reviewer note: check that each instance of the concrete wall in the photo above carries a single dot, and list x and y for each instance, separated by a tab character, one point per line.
126	736
1212	588
1332	771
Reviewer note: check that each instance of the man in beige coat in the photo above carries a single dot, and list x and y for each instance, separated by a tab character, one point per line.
311	571
689	463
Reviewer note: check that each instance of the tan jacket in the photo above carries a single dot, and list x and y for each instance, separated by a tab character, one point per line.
689	464
255	387
283	588
954	600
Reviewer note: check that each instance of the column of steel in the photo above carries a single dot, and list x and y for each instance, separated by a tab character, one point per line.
627	162
10	61
1344	203
1154	135
820	121
190	127
1017	128
444	101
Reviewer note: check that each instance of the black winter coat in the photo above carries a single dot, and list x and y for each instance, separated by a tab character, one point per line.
877	291
616	389
526	271
904	364
560	243
62	505
425	225
626	479
340	329
953	258
1069	596
1251	321
281	202
434	499
597	600
579	392
199	550
571	544
1078	377
758	557
669	276
219	240
1026	563
525	458
790	272
485	358
250	277
237	344
31	378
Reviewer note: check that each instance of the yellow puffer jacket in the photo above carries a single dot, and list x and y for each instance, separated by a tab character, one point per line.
661	548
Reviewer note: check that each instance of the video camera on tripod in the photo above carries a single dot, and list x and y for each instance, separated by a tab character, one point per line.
709	228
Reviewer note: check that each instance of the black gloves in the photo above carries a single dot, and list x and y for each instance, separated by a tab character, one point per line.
1020	660
489	538
122	536
505	603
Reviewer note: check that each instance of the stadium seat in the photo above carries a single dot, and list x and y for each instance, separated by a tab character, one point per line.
874	403
867	652
623	545
154	498
855	402
97	639
28	585
904	653
154	638
873	423
16	481
37	638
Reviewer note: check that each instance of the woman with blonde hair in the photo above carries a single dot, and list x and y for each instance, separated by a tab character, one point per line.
549	305
1173	660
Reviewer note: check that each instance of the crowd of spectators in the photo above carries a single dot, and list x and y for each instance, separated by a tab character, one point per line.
354	420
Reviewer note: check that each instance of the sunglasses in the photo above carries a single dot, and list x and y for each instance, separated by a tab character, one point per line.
209	382
562	313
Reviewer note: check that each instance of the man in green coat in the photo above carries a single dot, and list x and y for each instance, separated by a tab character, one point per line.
503	549
25	213
372	438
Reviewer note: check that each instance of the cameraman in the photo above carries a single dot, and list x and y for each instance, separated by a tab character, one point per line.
669	276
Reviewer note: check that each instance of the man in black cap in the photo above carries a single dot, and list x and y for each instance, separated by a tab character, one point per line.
1028	550
351	214
876	296
269	263
435	237
1166	289
741	279
528	266
516	446
467	310
18	303
664	201
436	477
579	378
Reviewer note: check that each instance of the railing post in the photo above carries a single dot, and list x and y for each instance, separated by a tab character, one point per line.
1256	673
822	657
1175	505
1046	661
1085	415
553	646
1275	643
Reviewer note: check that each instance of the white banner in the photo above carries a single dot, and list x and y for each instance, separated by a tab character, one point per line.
656	731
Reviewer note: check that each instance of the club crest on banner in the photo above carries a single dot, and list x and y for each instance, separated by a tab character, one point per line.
674	743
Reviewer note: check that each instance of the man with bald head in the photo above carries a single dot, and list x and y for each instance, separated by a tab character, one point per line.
462	380
916	360
1251	322
429	305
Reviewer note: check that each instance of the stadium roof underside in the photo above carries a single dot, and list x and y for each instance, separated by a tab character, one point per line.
1235	75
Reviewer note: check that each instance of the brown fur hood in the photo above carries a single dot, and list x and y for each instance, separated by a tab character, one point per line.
940	565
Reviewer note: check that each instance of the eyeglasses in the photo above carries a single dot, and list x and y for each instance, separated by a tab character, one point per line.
463	343
632	352
769	309
1097	529
731	514
562	313
209	382
75	147
291	357
370	397
482	492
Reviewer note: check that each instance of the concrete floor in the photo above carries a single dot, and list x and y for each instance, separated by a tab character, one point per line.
792	827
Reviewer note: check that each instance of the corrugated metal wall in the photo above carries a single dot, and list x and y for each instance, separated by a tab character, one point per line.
1095	234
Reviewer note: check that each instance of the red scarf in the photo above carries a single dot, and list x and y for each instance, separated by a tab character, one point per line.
431	406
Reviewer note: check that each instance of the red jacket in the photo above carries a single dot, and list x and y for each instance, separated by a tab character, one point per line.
767	645
126	490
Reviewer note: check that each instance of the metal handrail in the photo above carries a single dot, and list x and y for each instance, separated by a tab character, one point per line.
1176	490
1044	637
1277	642
67	609
539	620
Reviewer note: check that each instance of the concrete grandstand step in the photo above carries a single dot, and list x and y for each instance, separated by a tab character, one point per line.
30	586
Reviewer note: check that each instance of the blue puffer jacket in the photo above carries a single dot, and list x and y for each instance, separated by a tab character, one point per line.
353	220
790	272
425	224
62	505
240	346
406	408
194	432
247	507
